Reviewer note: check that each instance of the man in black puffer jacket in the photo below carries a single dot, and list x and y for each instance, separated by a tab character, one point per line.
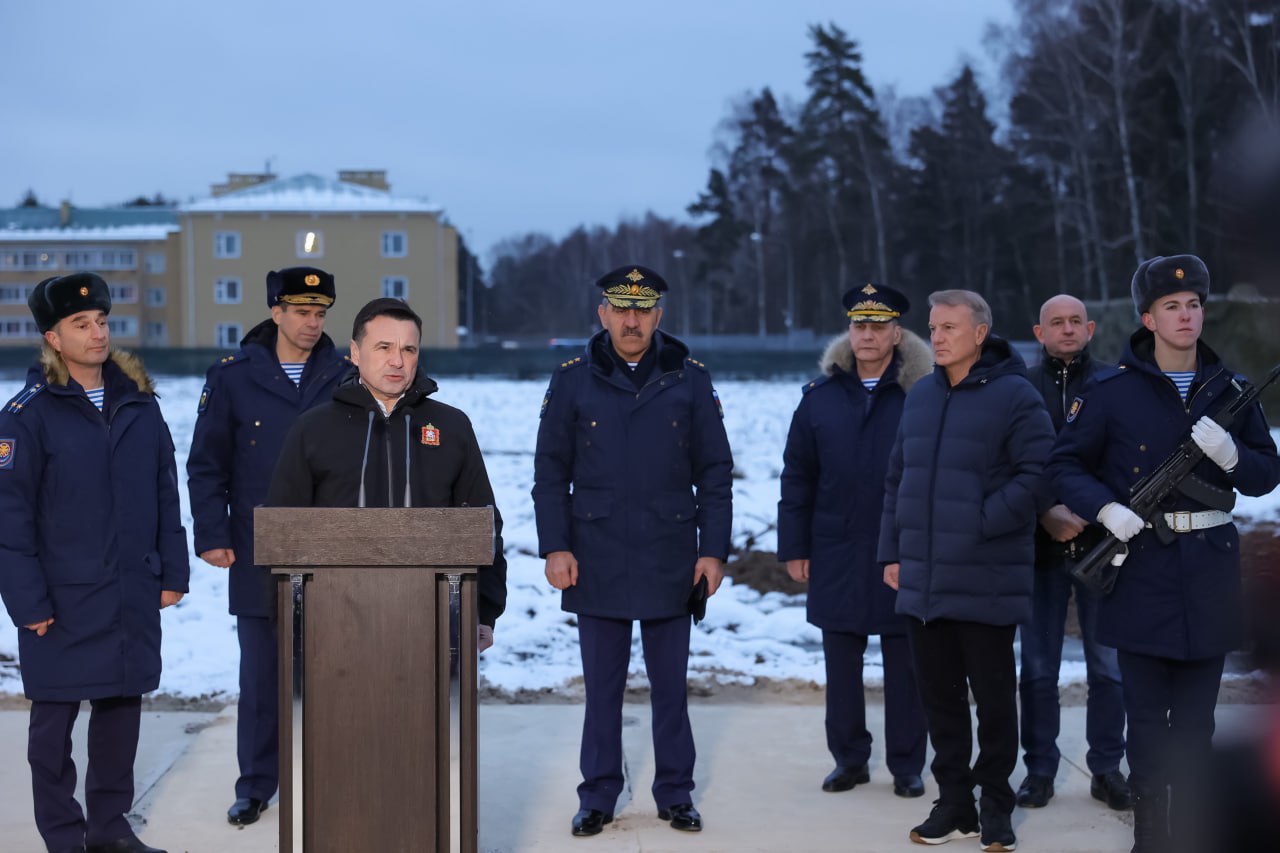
956	541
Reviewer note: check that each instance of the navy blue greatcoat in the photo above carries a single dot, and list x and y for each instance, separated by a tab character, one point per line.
246	409
960	502
833	473
651	476
1181	600
92	531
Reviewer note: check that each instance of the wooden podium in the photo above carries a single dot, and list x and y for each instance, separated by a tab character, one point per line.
377	631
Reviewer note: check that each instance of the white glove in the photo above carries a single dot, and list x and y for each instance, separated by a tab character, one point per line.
1216	443
1123	522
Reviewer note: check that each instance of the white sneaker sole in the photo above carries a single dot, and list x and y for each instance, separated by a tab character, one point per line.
997	847
952	836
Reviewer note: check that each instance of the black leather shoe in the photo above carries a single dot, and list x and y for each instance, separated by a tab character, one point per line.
590	822
1113	789
245	810
844	777
128	844
908	786
683	817
1035	792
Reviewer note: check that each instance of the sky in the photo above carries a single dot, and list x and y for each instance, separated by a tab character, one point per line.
515	116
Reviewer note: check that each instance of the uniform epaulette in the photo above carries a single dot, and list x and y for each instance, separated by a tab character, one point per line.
809	386
573	362
696	363
1108	373
25	396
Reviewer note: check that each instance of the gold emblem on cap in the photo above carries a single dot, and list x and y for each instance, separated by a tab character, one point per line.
635	290
870	288
1178	273
312	280
84	291
635	275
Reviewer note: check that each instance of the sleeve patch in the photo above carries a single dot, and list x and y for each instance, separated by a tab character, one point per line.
204	400
546	399
1074	412
719	408
8	449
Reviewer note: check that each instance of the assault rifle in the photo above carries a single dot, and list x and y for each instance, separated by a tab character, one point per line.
1099	568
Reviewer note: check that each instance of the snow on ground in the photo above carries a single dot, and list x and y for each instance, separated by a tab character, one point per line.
746	635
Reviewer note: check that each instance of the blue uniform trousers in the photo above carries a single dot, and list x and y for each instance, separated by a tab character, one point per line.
905	729
1041	663
257	723
1170	705
108	784
606	655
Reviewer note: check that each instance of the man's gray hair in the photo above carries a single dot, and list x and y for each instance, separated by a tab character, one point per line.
974	301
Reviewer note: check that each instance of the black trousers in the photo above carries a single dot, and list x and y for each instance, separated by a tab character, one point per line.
905	730
108	783
951	659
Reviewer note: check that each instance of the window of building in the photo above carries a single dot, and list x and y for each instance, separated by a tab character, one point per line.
15	294
228	335
36	259
124	327
19	329
156	296
226	291
155	263
226	244
395	287
156	333
395	244
118	259
124	294
311	244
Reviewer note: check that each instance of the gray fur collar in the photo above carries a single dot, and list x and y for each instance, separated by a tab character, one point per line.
916	355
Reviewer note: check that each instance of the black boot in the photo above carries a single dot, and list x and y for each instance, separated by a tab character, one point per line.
1151	822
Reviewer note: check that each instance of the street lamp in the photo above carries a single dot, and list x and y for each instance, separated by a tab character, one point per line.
678	254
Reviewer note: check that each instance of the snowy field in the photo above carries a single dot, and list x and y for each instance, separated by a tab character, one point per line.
746	636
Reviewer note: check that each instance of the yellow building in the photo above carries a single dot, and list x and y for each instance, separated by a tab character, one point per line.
134	249
374	243
196	276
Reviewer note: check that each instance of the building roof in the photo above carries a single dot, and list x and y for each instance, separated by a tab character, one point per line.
310	193
92	224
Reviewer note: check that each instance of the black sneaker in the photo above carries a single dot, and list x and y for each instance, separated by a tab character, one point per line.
997	833
945	822
1113	789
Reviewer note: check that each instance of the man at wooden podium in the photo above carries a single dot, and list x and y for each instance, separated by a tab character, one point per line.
634	427
382	442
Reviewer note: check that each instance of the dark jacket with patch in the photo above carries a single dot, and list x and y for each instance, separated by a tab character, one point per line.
833	473
322	459
1060	384
651	477
92	531
1180	600
961	491
246	409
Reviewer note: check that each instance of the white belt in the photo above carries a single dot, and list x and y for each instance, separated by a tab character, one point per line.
1185	521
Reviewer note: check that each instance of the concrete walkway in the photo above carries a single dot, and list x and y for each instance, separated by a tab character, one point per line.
758	777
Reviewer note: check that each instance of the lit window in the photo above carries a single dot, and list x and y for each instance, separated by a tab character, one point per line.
310	244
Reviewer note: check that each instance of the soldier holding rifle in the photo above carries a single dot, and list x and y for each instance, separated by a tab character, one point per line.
1176	606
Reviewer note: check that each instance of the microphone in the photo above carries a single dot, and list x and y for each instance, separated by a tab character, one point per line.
365	461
